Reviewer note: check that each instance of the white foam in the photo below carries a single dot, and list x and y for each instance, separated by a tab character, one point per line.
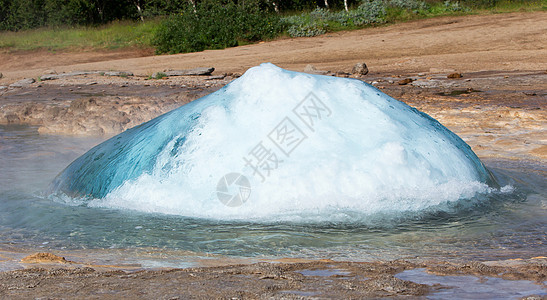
368	153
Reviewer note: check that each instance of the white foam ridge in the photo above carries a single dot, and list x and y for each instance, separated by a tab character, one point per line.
307	144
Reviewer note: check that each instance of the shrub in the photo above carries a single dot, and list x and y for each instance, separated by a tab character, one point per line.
413	5
212	25
306	30
454	6
319	20
369	12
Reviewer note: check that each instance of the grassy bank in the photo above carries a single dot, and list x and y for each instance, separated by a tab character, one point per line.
112	36
129	34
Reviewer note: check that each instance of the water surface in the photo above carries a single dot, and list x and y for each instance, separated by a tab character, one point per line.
509	224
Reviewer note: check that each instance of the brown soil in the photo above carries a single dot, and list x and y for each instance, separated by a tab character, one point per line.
513	41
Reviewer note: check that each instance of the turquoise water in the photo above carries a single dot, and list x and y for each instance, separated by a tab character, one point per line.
493	226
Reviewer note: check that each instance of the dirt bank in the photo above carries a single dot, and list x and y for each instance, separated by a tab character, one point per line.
513	41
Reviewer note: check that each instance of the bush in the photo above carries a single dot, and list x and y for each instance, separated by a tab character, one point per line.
306	30
454	6
212	25
319	20
368	13
413	5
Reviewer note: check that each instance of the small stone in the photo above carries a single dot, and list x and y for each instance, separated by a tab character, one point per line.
118	73
1	75
360	69
3	87
311	69
217	77
50	72
405	81
455	75
191	72
23	83
91	83
49	77
44	257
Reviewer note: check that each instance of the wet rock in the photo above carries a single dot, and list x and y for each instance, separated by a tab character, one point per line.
405	81
426	83
49	77
454	75
360	69
311	69
191	72
118	73
217	77
22	83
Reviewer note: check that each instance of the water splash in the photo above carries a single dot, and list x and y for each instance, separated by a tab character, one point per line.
306	144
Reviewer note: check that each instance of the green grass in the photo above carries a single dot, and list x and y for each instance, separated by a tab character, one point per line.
112	36
127	34
514	6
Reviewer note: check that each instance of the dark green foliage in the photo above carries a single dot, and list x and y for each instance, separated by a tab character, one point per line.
26	14
212	25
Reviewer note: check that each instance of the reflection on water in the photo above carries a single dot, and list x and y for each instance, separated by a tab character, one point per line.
471	287
501	225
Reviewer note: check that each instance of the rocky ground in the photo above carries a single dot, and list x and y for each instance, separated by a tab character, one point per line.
501	114
52	277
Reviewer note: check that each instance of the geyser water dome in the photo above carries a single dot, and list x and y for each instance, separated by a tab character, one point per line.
277	143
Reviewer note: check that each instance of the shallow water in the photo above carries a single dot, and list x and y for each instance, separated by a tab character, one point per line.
471	287
494	226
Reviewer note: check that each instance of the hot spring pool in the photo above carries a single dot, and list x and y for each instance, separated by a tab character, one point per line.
498	225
